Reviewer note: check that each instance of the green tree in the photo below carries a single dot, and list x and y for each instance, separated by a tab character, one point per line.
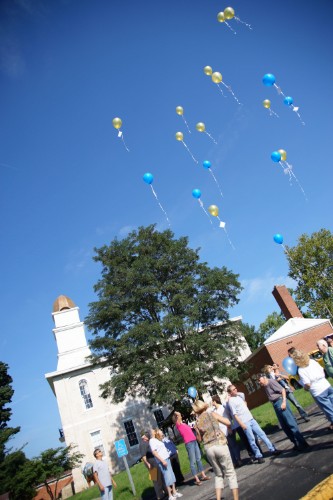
311	266
6	393
272	323
154	315
252	336
45	469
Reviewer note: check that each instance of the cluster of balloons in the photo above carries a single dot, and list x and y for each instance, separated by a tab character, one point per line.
148	179
226	15
280	156
117	123
270	81
217	78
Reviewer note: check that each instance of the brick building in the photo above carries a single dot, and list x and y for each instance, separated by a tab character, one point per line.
298	332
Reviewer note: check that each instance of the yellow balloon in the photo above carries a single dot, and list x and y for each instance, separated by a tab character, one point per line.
217	77
208	70
213	210
179	136
179	110
200	127
229	13
117	123
283	154
220	17
266	103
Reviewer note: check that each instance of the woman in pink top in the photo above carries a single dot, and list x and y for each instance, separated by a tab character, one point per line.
192	448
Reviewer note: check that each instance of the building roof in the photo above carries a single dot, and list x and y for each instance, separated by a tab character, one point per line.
292	327
61	303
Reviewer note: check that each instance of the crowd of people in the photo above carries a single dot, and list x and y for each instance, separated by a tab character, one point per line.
218	423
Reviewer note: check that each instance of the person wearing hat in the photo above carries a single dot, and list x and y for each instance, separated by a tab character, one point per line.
216	448
148	459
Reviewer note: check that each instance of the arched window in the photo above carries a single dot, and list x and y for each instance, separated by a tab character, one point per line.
84	390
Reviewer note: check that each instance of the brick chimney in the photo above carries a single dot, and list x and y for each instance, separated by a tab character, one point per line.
287	304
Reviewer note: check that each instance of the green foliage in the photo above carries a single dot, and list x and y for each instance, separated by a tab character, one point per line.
6	393
252	337
272	323
311	266
152	321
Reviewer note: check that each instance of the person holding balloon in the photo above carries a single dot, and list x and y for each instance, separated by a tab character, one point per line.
192	448
313	378
276	394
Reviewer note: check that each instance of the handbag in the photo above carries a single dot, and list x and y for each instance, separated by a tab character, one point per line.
153	474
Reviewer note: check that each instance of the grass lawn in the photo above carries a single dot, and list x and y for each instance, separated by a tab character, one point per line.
265	416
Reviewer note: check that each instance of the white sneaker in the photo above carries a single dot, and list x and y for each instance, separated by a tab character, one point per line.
177	495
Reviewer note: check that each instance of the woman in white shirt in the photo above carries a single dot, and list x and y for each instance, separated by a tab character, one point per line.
313	379
162	457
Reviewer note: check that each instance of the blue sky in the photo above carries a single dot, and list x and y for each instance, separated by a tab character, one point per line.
67	184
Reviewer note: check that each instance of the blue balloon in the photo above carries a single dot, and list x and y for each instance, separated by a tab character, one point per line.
192	392
288	101
276	156
148	178
268	79
278	238
206	164
196	193
289	365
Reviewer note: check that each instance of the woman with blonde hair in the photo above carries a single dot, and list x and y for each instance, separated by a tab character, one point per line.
216	447
313	379
162	457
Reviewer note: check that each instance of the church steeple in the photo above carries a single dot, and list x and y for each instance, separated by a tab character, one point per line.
69	334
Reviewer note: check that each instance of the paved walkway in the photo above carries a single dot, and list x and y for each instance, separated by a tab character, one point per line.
289	476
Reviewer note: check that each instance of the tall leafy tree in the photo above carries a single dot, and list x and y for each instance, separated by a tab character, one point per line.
311	266
252	336
272	323
6	393
46	469
154	314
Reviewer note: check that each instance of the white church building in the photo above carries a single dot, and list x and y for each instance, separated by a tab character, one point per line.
89	421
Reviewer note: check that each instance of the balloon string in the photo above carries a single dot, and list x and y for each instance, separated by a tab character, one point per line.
242	22
279	90
194	159
160	205
228	87
203	208
188	128
222	224
209	135
289	170
271	112
230	28
218	86
121	135
295	109
218	185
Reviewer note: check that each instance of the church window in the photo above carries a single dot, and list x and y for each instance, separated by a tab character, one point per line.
84	390
96	440
131	434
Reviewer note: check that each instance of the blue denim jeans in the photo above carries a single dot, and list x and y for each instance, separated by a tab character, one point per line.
194	456
252	429
288	423
325	402
294	401
107	494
